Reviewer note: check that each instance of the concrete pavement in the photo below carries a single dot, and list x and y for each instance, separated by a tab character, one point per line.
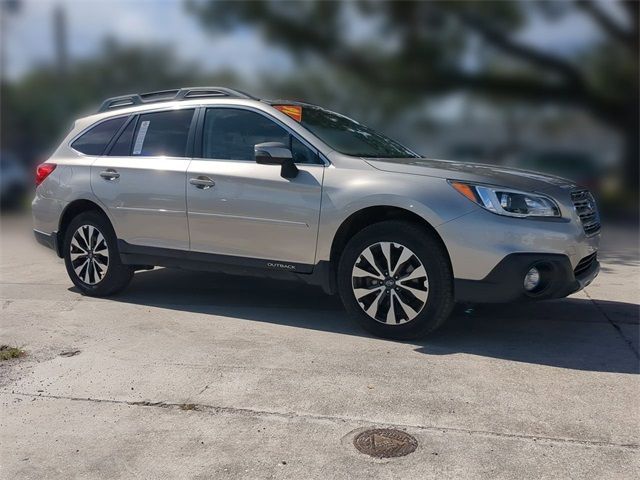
195	375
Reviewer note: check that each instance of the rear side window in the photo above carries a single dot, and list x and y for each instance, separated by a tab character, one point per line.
162	133
122	147
96	139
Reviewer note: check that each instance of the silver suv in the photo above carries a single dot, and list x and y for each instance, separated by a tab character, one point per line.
215	179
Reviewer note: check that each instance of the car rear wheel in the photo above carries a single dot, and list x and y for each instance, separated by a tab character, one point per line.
395	279
91	256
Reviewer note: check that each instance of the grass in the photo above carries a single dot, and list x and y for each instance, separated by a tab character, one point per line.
7	352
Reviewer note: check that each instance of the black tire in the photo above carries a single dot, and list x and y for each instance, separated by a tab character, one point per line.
117	275
433	257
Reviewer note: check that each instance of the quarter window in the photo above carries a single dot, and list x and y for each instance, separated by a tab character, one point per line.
96	140
231	134
162	133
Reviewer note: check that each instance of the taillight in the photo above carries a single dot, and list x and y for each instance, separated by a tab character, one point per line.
43	171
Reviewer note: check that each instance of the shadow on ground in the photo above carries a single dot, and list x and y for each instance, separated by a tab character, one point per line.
570	333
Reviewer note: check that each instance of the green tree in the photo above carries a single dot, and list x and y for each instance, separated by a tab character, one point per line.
38	109
418	49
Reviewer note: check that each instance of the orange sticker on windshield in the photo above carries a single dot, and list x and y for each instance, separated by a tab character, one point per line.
293	111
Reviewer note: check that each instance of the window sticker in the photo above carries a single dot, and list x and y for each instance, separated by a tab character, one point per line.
137	147
293	111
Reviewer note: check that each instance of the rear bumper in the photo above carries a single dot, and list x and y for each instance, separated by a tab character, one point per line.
505	283
49	240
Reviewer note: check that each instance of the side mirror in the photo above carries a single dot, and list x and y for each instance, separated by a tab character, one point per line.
276	153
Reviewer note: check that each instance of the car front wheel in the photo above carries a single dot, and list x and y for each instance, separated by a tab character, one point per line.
394	277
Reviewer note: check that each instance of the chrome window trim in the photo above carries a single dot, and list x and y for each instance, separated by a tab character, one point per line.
130	114
323	158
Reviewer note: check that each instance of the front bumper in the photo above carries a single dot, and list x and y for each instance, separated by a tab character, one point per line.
477	242
505	283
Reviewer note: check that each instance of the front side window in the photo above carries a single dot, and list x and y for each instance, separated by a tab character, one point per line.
231	134
162	134
348	136
96	139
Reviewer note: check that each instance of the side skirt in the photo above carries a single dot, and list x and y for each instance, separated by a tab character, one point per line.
319	274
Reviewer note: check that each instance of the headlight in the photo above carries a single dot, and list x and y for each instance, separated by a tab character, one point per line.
504	201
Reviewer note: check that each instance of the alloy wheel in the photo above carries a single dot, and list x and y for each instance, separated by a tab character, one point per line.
390	283
89	254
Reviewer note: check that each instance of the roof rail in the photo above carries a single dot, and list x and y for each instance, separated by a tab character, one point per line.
124	101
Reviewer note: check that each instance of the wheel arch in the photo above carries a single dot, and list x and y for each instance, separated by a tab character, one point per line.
72	210
375	214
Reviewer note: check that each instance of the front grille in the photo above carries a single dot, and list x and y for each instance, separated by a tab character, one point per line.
586	209
585	264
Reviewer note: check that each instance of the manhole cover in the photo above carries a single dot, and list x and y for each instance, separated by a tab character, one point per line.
385	443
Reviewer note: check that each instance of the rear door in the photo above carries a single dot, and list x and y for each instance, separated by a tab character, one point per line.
248	210
141	180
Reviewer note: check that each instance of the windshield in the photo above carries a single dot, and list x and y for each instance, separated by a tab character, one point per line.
350	137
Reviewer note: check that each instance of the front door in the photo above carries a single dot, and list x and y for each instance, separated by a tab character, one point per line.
141	180
239	208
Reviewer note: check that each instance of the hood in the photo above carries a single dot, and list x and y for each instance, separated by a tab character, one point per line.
473	172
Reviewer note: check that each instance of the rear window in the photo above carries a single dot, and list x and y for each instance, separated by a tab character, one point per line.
162	133
94	141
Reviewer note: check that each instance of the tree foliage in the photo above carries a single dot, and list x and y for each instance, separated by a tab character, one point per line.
418	49
39	109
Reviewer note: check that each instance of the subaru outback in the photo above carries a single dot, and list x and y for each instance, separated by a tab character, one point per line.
216	179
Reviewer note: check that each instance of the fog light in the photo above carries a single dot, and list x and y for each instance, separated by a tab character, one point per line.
532	279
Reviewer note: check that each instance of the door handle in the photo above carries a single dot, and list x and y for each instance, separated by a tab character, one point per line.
109	174
202	182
